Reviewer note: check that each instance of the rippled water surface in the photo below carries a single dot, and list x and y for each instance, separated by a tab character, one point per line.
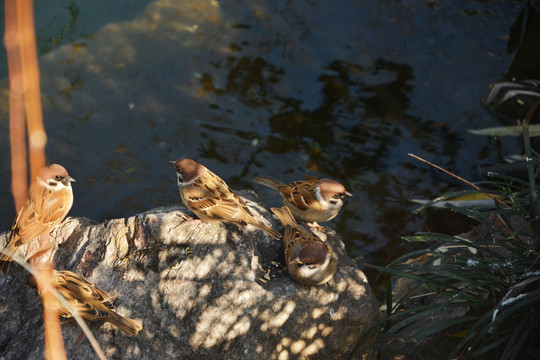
340	89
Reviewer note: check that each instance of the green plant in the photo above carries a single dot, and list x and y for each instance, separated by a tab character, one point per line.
492	276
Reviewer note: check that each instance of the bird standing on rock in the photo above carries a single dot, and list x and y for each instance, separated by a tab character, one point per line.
211	199
89	302
47	203
311	201
309	260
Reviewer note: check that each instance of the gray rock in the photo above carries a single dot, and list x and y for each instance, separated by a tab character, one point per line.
200	290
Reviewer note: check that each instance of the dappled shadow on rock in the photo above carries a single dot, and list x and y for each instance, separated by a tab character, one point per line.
199	289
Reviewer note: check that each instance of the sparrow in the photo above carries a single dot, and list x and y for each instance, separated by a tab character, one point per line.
89	302
211	199
47	203
310	201
309	260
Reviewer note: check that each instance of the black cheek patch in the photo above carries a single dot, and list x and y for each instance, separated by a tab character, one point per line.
333	202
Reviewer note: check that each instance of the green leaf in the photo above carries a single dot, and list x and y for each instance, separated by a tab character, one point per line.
519	336
431	329
534	130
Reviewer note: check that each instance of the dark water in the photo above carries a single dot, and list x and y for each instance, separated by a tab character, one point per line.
340	89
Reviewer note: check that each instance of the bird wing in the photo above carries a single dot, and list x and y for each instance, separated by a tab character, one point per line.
215	200
83	291
291	243
40	212
301	194
296	239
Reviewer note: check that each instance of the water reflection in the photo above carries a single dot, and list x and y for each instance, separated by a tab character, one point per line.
337	89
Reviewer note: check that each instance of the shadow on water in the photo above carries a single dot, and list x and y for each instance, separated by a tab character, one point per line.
336	89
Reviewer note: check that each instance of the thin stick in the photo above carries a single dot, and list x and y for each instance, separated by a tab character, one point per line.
460	178
446	171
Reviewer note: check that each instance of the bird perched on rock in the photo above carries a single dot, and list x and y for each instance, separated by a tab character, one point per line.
309	260
89	302
47	203
311	201
211	199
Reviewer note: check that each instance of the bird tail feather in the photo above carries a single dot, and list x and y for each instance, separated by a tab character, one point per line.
285	216
268	181
127	325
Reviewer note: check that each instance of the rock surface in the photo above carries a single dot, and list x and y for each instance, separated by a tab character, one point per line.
200	290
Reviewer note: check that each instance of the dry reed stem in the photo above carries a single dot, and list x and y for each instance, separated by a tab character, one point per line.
16	107
25	99
32	92
54	343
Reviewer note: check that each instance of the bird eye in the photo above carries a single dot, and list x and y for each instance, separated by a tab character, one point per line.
337	196
57	178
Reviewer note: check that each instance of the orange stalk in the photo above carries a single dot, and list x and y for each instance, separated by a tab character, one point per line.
32	92
54	343
16	107
25	100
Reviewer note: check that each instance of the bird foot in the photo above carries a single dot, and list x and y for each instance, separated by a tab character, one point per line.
316	226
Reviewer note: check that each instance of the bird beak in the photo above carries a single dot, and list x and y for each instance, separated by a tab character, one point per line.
68	179
348	194
296	261
172	163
